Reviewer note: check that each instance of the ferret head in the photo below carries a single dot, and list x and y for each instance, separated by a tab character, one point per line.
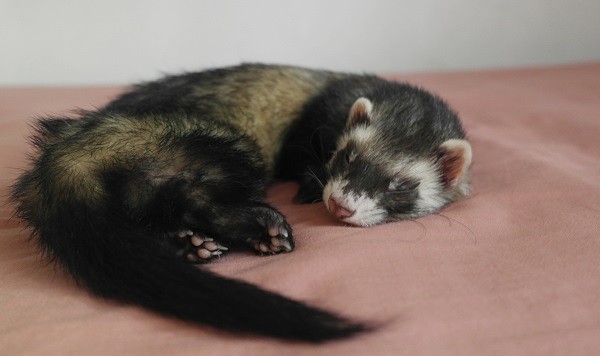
374	178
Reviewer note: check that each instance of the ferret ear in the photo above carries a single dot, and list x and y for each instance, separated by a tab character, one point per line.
455	159
360	112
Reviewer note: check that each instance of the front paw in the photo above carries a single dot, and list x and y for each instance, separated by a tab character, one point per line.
196	247
276	235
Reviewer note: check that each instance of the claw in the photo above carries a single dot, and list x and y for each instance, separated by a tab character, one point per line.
221	247
287	245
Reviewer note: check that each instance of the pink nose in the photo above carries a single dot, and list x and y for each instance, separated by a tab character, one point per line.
338	210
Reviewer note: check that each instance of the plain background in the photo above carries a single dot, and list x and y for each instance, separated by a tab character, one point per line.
88	42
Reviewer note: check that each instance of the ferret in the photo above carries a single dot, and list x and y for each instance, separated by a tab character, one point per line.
133	197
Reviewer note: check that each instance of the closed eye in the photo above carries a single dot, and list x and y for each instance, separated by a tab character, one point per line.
349	157
402	186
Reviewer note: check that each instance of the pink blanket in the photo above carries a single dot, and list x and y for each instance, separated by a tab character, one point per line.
514	269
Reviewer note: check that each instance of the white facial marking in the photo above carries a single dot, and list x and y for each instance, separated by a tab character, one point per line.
362	134
430	187
366	210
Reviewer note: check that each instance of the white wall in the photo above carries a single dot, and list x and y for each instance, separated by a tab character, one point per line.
119	41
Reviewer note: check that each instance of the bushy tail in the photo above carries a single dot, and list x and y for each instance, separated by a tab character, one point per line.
116	260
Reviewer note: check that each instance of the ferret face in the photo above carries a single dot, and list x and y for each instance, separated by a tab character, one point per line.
365	191
371	183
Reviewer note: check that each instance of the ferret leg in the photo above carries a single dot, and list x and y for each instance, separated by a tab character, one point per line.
197	247
276	234
253	224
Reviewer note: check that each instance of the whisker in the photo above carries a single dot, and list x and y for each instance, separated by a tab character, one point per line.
450	220
312	174
420	224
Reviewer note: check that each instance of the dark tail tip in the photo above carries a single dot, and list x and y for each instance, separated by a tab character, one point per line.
316	326
343	329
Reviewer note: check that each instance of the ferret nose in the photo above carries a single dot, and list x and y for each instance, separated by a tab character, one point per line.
338	210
